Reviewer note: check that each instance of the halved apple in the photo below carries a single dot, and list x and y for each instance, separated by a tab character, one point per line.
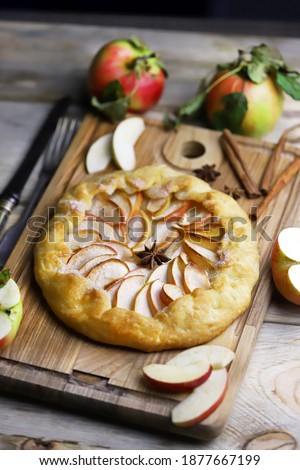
203	400
217	355
88	253
195	277
107	272
173	378
155	302
124	139
141	304
99	154
285	264
128	290
10	309
169	293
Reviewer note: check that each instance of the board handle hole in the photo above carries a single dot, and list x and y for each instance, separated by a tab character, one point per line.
192	149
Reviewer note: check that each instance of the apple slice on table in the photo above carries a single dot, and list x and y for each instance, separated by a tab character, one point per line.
127	291
203	400
88	253
285	264
10	309
99	154
107	272
169	293
177	378
155	302
141	304
124	139
195	277
218	356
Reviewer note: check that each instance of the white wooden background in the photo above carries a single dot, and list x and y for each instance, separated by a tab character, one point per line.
43	61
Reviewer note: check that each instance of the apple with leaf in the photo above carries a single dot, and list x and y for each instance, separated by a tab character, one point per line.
246	95
125	75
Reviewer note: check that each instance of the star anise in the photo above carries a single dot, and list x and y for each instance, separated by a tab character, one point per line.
236	193
152	256
207	173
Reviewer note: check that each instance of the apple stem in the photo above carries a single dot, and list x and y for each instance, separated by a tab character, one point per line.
226	75
143	58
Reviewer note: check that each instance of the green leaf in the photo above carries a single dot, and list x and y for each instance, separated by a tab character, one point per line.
290	83
113	91
4	277
193	107
257	71
267	55
137	43
231	117
113	110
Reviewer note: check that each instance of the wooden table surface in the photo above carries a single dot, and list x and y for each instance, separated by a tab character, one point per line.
43	60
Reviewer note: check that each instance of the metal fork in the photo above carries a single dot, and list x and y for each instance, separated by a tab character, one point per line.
55	150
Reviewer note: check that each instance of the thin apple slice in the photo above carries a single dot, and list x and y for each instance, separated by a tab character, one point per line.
123	252
176	209
195	252
155	302
169	293
128	290
173	378
205	242
160	272
81	257
107	272
136	200
92	263
196	215
158	206
175	274
139	271
203	400
139	229
105	230
104	209
218	356
122	201
195	277
99	154
124	139
82	238
9	294
141	304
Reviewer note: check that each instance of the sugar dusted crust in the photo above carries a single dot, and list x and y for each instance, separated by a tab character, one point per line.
190	320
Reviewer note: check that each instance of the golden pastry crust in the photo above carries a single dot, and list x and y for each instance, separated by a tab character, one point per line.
190	320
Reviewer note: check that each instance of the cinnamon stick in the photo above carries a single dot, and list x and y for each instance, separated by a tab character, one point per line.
238	164
285	177
273	161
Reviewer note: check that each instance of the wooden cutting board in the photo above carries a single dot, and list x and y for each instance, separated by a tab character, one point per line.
50	362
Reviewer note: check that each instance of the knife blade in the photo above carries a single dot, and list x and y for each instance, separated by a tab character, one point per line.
10	196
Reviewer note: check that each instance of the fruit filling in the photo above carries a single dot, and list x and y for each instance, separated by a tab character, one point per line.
146	252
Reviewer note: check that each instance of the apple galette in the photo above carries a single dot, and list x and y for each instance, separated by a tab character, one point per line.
151	259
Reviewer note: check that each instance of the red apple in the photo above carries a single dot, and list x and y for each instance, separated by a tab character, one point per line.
175	378
285	264
139	71
264	100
